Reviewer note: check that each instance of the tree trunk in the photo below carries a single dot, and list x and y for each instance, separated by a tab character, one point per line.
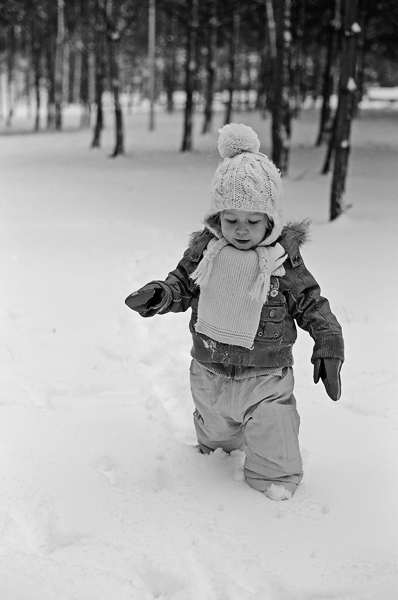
99	76
331	147
37	99
210	69
59	64
261	87
91	75
325	125
152	62
85	118
190	76
297	66
77	69
50	83
249	84
29	84
272	45
346	104
10	93
316	79
113	44
233	46
326	112
360	66
83	82
36	51
66	68
281	128
169	78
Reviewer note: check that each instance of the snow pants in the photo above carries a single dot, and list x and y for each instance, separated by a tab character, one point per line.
257	415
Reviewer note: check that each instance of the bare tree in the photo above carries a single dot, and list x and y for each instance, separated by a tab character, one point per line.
59	65
190	74
99	49
271	54
297	62
152	62
326	121
170	59
85	88
10	89
50	71
210	66
281	118
118	16
36	51
346	104
234	34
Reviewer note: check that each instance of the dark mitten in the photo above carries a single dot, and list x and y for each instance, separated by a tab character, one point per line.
145	298
328	369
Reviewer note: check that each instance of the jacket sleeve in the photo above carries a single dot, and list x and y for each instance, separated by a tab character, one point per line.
178	288
312	311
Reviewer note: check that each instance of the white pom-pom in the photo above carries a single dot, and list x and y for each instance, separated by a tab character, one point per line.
236	138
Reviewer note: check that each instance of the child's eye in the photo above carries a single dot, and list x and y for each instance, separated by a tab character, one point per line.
230	220
254	222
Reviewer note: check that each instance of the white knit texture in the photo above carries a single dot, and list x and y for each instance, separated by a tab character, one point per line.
249	181
226	312
202	272
235	138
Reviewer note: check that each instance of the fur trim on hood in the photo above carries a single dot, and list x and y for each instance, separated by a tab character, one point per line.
293	236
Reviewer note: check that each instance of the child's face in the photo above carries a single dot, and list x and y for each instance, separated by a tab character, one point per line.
244	229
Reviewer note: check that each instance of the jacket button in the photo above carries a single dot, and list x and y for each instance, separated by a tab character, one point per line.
272	313
260	333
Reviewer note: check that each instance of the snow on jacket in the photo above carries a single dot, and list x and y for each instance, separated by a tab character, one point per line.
294	298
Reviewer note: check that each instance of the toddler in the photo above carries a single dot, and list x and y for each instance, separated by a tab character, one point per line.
246	283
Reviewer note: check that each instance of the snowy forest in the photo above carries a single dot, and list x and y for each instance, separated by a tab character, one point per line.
109	119
253	55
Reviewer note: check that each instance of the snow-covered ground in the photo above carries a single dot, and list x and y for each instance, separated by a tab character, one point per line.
102	495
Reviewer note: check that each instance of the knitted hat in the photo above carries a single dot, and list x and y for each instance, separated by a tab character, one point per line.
245	180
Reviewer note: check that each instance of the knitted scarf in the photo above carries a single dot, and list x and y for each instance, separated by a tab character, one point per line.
234	286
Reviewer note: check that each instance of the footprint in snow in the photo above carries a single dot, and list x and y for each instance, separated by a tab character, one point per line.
107	467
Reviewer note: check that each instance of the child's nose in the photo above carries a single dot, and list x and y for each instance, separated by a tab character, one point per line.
241	228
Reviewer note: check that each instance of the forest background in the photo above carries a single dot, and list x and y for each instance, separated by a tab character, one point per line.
272	56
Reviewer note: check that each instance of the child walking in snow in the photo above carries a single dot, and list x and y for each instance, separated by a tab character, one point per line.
246	283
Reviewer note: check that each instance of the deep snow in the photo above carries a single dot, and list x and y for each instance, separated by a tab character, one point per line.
102	495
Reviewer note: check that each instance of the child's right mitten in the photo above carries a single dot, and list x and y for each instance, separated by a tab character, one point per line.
328	369
145	299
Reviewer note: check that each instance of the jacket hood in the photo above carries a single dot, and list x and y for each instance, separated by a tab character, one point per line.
294	235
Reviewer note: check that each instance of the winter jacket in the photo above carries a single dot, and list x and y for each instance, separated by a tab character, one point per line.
293	298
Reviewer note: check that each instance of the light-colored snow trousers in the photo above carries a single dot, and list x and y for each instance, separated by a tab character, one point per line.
257	415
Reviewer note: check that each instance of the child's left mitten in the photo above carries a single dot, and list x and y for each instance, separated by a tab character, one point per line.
328	369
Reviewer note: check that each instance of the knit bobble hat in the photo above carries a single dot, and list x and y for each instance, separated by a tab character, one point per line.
245	180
